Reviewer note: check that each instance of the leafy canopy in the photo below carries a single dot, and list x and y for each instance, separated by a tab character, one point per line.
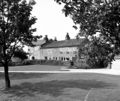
96	16
21	54
15	27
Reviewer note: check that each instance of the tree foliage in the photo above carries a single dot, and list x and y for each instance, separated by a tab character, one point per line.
20	54
15	29
96	16
98	53
46	38
67	37
55	39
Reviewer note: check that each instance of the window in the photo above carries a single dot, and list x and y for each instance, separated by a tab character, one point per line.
67	52
67	59
46	58
33	58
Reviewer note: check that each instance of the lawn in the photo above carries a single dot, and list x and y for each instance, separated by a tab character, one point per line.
33	68
61	87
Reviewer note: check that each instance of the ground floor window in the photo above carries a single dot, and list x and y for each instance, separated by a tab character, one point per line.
33	58
46	58
67	59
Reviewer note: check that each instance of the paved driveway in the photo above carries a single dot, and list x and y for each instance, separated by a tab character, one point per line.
57	69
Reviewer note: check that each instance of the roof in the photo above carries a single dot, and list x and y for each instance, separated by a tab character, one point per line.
39	42
64	43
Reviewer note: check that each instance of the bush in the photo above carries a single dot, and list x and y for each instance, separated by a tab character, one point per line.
81	64
97	64
41	62
27	62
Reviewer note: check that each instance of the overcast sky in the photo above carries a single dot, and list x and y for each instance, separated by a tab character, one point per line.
51	21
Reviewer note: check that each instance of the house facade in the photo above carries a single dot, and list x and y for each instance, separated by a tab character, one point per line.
61	53
34	52
56	50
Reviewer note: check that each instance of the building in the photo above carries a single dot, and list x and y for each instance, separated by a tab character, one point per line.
34	52
56	50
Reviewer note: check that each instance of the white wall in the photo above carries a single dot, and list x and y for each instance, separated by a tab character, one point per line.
116	64
53	53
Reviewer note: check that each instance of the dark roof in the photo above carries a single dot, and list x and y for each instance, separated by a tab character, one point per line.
39	42
64	43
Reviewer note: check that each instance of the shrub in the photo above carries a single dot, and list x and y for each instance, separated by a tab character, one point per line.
93	63
41	62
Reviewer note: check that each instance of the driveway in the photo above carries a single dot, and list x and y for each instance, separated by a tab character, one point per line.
59	69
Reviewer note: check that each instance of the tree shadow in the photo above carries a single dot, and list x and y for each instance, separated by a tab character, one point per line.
17	76
55	88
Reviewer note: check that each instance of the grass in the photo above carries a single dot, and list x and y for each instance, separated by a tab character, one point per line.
61	87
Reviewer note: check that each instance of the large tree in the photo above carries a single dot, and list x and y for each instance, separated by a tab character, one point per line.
98	54
15	30
96	16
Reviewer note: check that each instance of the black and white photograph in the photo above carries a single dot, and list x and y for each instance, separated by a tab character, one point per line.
59	50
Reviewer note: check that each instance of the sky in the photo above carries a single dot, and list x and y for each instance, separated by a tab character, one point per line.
51	21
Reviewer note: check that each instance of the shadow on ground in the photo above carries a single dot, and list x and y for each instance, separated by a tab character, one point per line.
55	88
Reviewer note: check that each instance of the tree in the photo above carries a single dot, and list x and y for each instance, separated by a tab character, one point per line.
20	54
67	37
97	52
46	38
77	37
15	30
55	39
96	16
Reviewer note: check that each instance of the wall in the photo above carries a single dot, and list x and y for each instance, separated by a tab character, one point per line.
64	53
34	52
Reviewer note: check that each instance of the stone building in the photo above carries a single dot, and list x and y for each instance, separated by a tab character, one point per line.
56	50
34	52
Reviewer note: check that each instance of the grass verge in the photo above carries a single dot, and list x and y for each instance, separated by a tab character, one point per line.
61	87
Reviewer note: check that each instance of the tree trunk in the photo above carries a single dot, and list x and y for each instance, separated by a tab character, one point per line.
6	73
